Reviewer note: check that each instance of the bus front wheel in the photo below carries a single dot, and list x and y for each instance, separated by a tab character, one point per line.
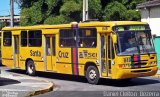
92	75
30	68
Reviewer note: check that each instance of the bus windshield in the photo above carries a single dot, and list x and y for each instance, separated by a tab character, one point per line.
134	42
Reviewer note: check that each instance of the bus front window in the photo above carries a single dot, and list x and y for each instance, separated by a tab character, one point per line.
134	42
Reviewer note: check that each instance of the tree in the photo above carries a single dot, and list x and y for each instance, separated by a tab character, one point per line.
2	24
71	10
64	11
122	10
115	11
95	9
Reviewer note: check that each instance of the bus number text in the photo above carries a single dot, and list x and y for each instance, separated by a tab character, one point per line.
87	55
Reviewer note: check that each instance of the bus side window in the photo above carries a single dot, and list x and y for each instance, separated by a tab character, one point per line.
87	37
35	38
67	38
23	38
7	38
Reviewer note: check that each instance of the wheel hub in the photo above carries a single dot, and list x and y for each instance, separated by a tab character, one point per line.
92	74
30	69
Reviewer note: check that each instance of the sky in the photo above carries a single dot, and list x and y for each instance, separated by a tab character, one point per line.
5	8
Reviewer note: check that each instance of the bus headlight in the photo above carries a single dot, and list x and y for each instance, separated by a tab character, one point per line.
124	65
153	63
127	59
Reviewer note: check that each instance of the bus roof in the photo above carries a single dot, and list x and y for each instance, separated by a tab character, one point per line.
81	24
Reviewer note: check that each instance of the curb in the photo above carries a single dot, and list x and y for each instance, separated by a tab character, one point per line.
42	91
49	88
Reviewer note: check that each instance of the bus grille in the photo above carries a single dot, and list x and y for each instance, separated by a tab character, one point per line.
136	71
140	64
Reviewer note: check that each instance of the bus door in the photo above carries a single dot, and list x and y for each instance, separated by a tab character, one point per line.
103	56
16	51
106	55
110	54
50	52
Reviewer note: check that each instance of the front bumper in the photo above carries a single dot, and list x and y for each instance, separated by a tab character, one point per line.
132	73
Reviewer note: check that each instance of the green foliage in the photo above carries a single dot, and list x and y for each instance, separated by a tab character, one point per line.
71	10
115	11
2	24
95	9
132	15
64	11
55	20
32	15
122	10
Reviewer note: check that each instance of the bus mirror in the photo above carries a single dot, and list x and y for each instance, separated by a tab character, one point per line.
114	37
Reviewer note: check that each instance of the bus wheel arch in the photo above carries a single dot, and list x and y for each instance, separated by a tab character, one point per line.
91	73
30	67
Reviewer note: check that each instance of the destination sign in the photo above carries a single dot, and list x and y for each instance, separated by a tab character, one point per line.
131	27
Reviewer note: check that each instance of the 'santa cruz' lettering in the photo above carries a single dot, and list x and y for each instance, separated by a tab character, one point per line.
35	53
63	54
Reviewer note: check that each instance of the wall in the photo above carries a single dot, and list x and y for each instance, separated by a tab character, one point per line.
152	17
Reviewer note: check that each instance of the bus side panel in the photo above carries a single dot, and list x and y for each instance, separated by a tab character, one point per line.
34	53
87	55
64	62
39	66
22	64
7	55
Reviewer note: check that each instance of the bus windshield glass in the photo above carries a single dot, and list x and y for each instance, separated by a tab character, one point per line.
134	41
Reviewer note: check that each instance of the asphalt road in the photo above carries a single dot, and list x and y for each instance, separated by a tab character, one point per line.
74	86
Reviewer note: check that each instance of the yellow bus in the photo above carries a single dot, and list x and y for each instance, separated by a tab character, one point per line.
115	50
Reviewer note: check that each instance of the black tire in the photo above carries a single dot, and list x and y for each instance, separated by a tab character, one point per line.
30	68
94	78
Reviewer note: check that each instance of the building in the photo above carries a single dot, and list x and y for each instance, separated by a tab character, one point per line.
150	13
6	20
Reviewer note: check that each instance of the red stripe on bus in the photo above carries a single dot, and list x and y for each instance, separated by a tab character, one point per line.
74	60
136	66
74	26
135	58
135	61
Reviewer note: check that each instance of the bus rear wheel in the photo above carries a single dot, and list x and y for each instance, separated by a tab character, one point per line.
92	75
30	68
